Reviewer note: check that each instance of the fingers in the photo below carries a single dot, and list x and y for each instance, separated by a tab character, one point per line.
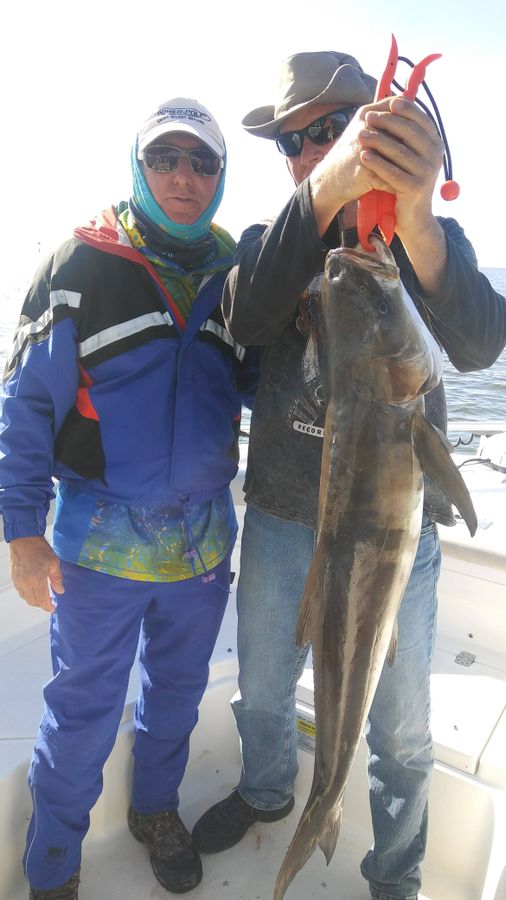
401	118
40	597
33	590
55	577
405	115
402	146
33	567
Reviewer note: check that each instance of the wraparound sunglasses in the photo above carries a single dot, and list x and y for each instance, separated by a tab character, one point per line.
320	132
163	158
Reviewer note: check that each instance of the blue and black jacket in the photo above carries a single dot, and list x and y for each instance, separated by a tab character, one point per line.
109	390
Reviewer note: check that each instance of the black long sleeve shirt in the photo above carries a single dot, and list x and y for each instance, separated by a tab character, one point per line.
271	298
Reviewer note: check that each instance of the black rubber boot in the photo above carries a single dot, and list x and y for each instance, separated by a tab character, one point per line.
174	857
226	823
67	891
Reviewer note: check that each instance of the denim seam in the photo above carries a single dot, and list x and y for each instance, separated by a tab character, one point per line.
380	896
261	807
288	709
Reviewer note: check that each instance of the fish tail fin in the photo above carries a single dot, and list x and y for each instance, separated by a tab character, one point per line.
328	840
318	826
312	595
292	862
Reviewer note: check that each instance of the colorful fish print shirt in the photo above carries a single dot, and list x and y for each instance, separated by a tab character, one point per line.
143	543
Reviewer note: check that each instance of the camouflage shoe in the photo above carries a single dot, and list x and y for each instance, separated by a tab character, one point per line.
67	891
174	857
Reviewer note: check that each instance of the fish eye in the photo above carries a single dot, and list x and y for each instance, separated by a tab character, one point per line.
383	308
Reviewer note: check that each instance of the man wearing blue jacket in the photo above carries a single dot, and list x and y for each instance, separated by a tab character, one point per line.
125	387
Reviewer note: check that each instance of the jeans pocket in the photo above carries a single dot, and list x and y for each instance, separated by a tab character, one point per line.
427	525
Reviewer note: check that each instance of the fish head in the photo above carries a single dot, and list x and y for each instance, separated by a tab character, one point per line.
372	329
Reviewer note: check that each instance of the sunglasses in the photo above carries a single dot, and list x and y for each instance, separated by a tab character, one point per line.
162	158
320	132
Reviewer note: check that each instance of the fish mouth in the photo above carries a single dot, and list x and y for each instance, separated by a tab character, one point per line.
380	263
348	258
349	262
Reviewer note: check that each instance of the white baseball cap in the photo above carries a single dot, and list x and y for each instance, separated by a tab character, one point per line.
182	114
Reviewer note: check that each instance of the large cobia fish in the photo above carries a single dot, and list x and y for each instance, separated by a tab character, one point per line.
378	360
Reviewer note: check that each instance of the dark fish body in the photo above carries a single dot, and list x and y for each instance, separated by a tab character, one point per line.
378	360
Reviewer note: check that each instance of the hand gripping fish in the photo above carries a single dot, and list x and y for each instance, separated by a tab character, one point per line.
379	359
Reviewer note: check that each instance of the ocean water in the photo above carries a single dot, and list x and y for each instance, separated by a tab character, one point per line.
475	396
479	395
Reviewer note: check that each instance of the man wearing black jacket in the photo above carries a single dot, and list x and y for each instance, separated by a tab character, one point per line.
338	145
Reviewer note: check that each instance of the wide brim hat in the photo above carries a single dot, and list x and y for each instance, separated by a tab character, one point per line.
325	76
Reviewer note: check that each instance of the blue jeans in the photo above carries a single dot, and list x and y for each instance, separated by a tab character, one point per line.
94	638
275	557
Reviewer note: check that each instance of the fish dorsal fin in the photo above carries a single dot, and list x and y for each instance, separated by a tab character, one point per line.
433	451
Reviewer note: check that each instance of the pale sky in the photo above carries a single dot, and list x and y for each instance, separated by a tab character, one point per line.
78	79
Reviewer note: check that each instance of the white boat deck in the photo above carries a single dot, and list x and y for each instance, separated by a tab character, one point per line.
466	858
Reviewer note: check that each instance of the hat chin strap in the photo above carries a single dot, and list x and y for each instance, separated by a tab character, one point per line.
143	198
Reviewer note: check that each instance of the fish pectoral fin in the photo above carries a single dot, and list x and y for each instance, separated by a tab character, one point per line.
328	840
432	449
392	650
